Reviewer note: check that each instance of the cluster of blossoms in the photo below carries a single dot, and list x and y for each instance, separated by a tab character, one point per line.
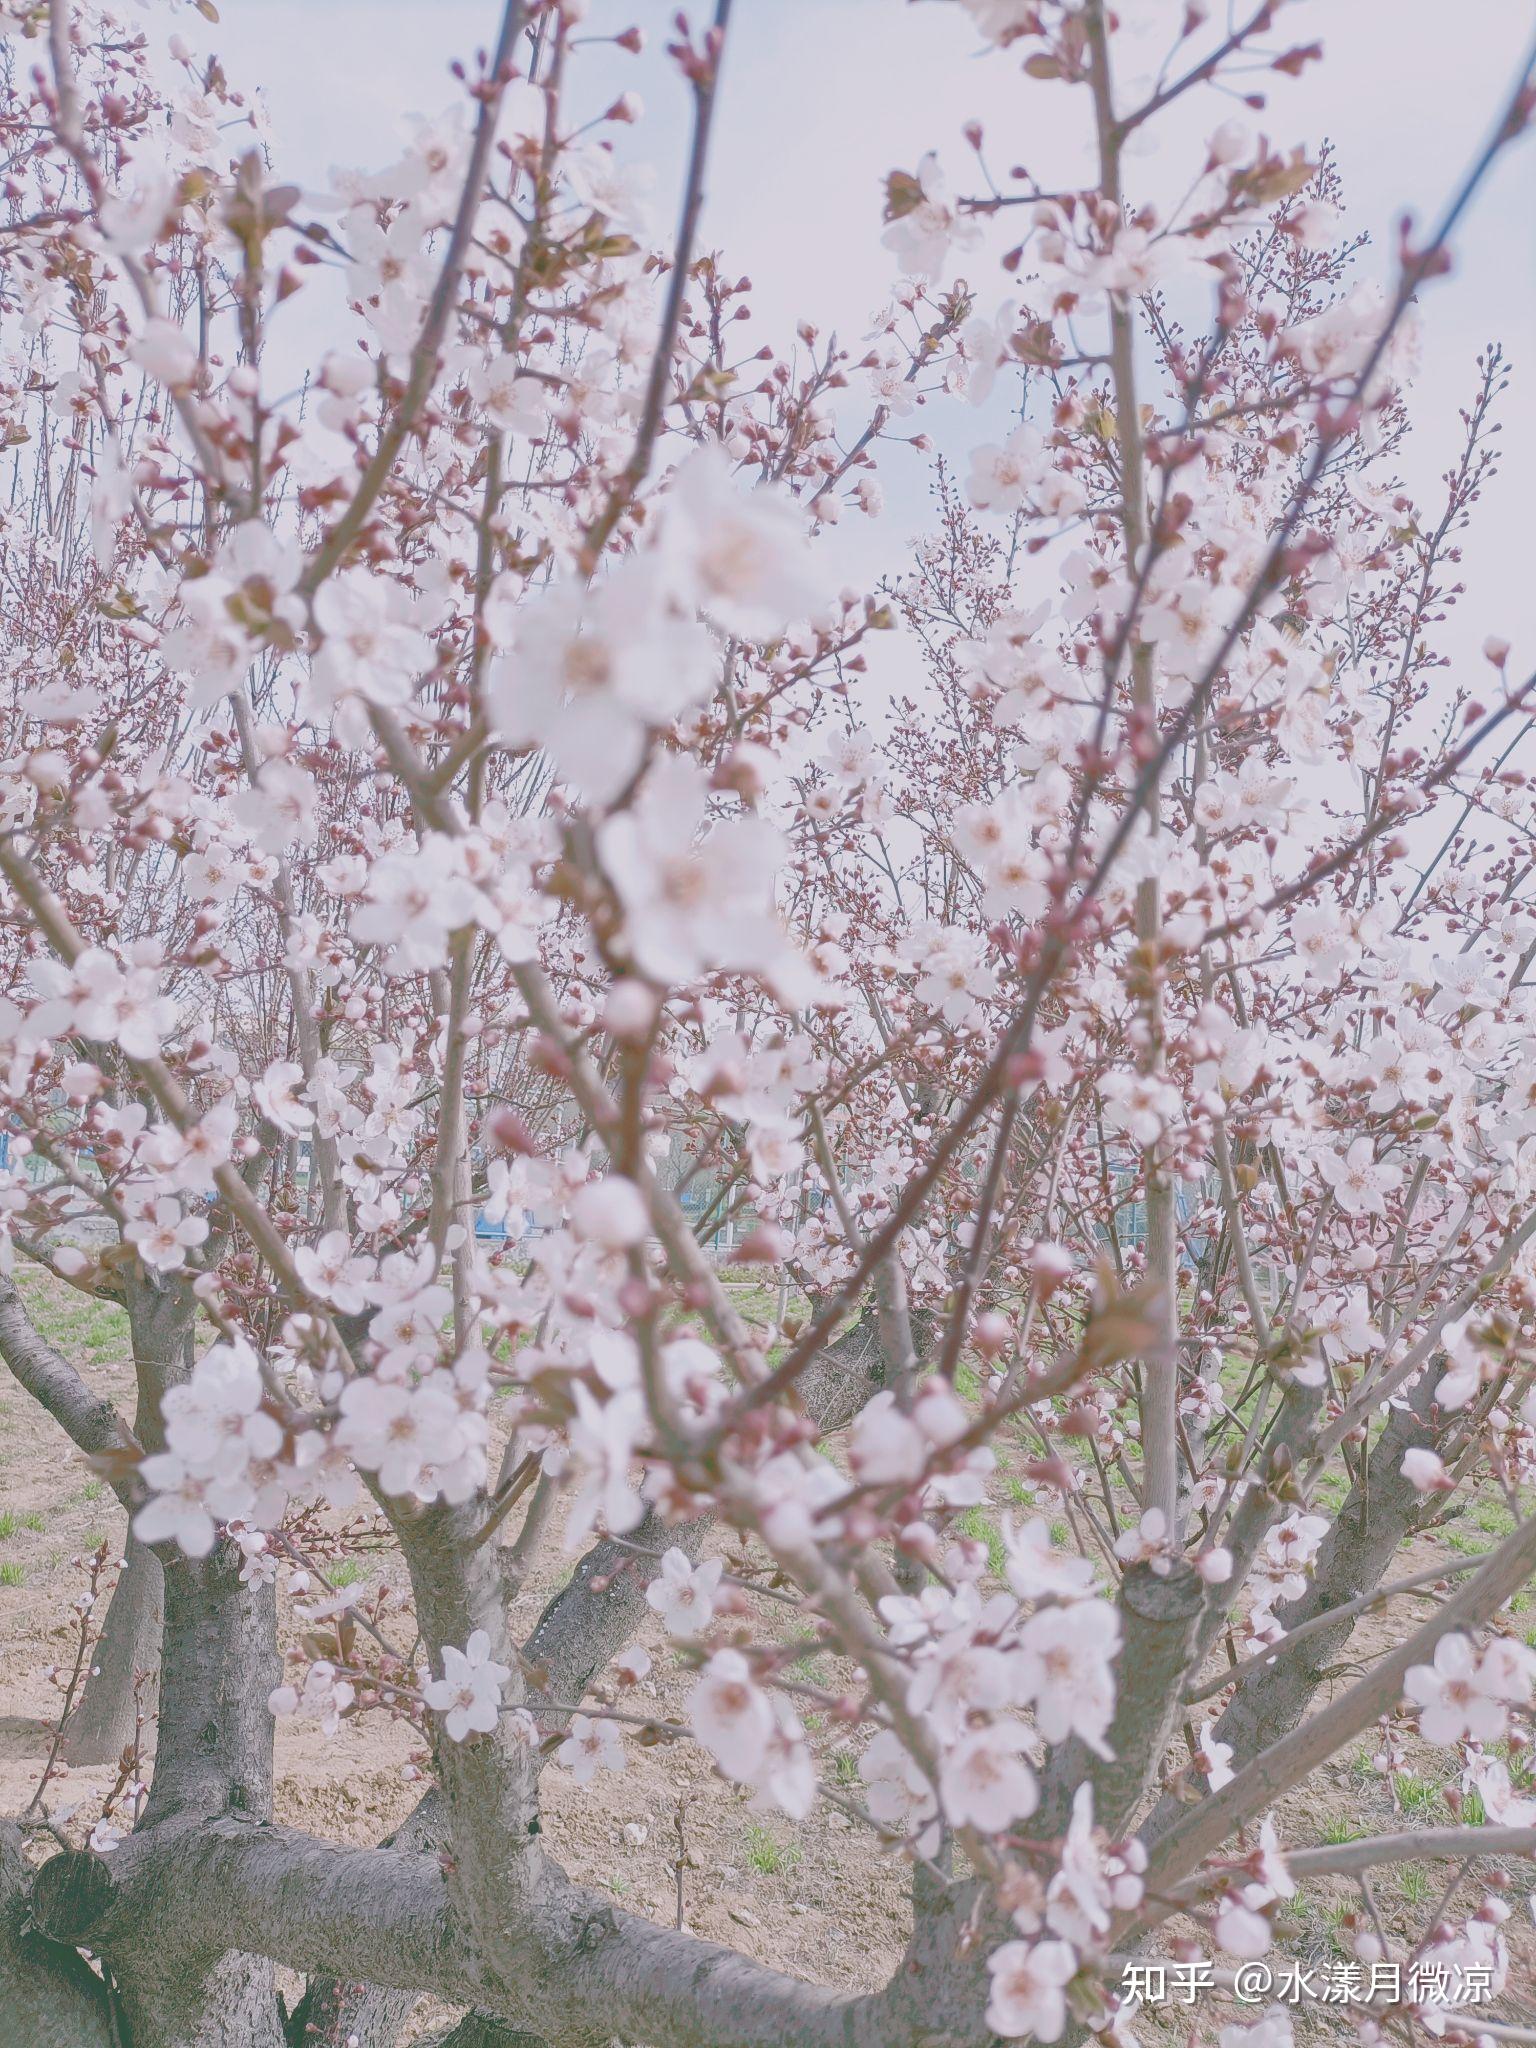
1094	1882
221	1455
1468	1695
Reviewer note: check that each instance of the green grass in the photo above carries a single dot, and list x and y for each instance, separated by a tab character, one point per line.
13	1575
1061	1535
967	1385
766	1853
845	1767
757	1302
348	1572
977	1523
12	1519
73	1321
1494	1517
1417	1795
93	1489
1336	1832
1416	1884
1339	1938
804	1666
1473	1812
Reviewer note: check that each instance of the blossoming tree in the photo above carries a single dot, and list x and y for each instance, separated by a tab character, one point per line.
458	856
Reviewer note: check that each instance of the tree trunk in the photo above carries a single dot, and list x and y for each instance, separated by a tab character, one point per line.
1159	1615
176	1999
49	1997
1380	1512
213	1757
102	1725
332	2014
336	2014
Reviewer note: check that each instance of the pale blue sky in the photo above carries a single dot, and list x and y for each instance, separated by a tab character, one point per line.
822	97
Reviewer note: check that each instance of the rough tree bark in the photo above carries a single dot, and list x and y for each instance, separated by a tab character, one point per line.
161	1320
350	2013
49	1996
476	2031
101	1727
1380	1512
213	1759
569	1966
1159	1614
91	1422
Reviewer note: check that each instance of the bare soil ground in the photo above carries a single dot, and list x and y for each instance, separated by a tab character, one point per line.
817	1898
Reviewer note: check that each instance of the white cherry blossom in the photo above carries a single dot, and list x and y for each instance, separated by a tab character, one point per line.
731	1715
469	1693
985	1781
1028	1994
683	1593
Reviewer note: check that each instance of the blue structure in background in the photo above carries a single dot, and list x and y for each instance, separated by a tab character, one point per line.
1130	1220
